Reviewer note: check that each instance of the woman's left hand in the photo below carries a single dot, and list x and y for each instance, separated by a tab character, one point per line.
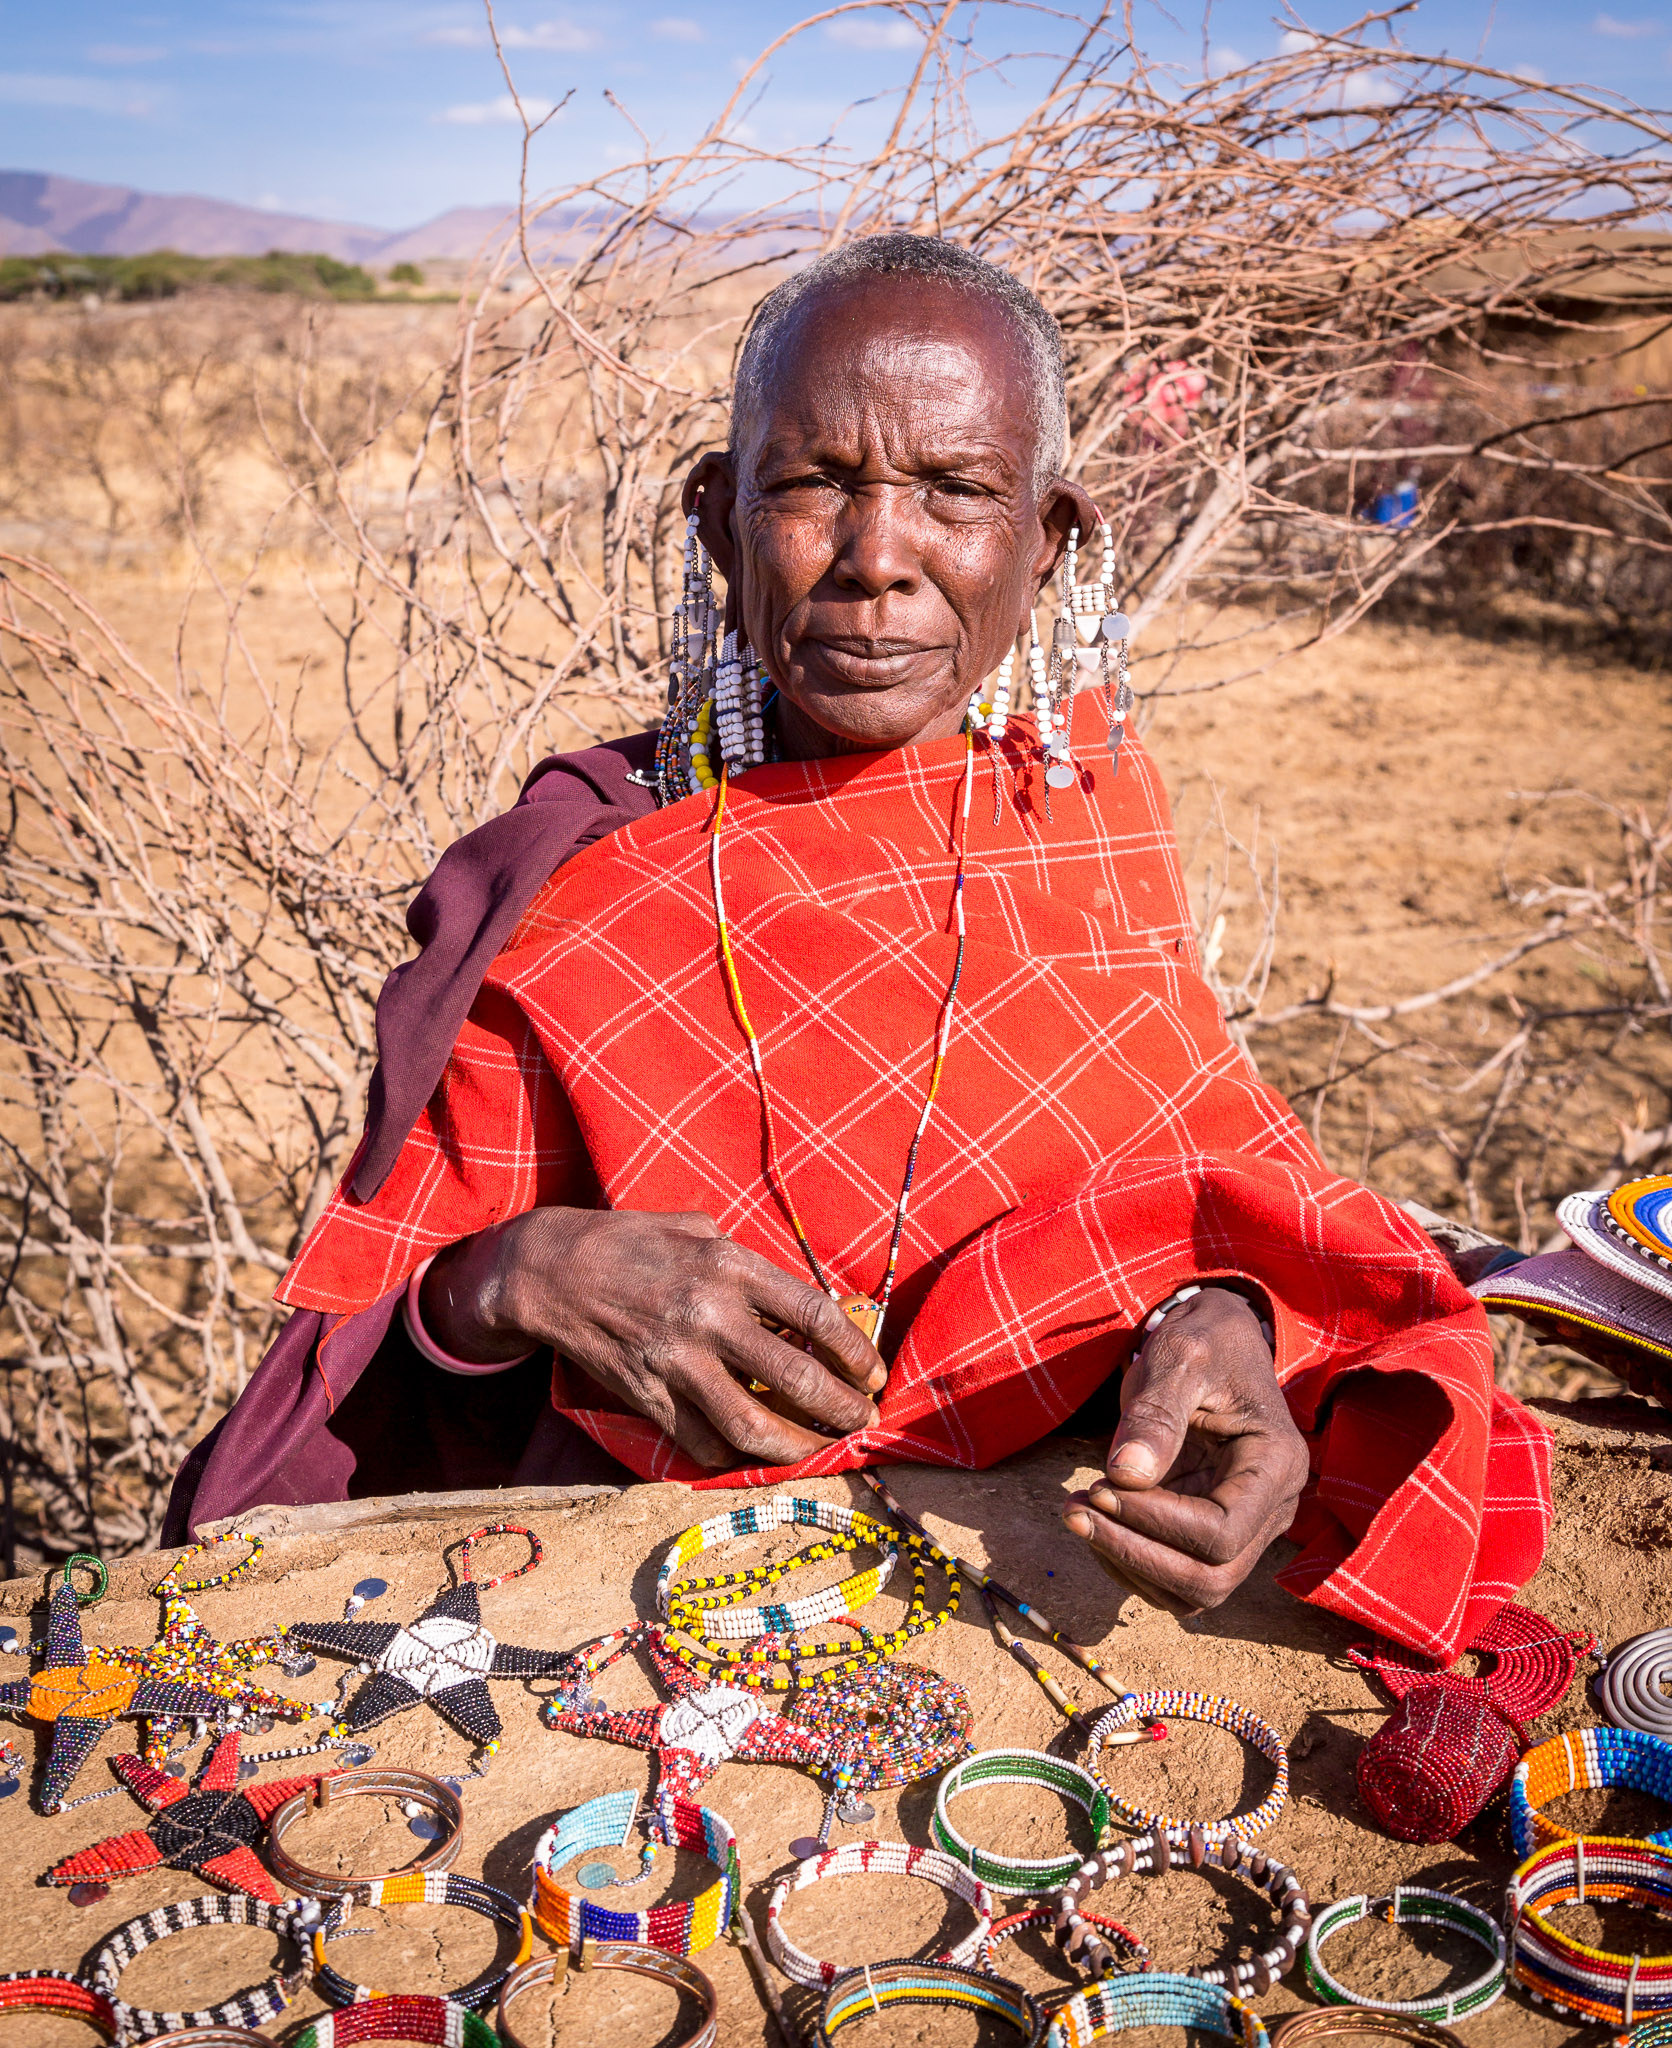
1206	1466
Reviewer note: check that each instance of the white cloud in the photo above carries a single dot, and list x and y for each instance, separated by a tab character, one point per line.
458	38
1222	58
677	28
498	113
1608	25
1368	89
91	95
1294	40
567	36
1531	73
874	32
126	53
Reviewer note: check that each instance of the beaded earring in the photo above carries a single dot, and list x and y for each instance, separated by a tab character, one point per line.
1053	727
716	689
1102	623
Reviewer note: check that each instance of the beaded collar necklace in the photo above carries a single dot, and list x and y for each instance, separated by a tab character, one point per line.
868	1311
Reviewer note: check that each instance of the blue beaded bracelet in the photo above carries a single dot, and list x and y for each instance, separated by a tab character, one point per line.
1586	1759
1157	1999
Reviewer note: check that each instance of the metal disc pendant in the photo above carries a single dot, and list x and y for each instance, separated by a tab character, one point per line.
8	1786
1060	775
8	1639
852	1810
356	1754
1117	626
1117	733
247	1768
597	1877
426	1827
88	1893
299	1667
806	1845
371	1589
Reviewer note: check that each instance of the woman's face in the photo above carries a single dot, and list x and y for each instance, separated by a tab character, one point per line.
879	526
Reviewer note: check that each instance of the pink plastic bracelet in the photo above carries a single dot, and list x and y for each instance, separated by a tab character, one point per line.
426	1346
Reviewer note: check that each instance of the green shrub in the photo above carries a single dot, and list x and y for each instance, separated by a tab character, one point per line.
406	273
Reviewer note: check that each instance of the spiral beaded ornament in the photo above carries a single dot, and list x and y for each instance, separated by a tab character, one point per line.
891	1725
1554	1967
1585	1759
1213	1712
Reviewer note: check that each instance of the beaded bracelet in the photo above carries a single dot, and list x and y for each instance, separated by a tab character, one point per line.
711	1604
1214	1712
440	1800
1585	1760
683	1927
875	1985
1157	1999
1019	1767
413	1888
1653	2033
212	2037
868	1859
1354	2023
402	2016
1572	1976
1158	1852
1412	1905
249	2008
678	1971
1044	1916
55	1992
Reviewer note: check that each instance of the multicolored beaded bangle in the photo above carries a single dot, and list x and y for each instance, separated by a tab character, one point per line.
682	1927
1019	1767
55	1992
1356	2022
1585	1760
866	1859
369	1782
402	2016
873	1986
1653	2033
710	1605
1215	1712
1411	1905
249	2008
1120	2004
415	1888
1154	1854
678	1971
1617	1990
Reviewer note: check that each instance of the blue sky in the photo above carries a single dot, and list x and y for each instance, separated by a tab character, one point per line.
390	111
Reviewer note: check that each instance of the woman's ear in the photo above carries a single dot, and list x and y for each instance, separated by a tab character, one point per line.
711	490
1065	506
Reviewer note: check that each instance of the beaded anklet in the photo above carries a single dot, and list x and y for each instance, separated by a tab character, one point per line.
1019	1767
1632	1686
868	1859
1120	2004
677	1971
1572	1976
249	2008
55	1992
1411	1905
1156	1853
401	2016
683	1927
871	1987
414	1888
1354	2023
1213	1712
1586	1760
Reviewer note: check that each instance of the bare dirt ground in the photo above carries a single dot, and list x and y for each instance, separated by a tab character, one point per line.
1606	1571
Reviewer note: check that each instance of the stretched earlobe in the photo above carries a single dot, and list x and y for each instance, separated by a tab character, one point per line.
711	492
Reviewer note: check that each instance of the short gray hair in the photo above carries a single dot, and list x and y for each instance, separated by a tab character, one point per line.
944	263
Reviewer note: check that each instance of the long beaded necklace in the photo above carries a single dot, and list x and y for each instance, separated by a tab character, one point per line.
868	1311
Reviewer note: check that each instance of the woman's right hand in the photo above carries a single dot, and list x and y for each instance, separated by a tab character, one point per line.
663	1311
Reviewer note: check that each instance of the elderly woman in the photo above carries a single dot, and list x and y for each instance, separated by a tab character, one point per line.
861	1100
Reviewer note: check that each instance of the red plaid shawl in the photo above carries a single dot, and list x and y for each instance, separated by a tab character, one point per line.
1099	1140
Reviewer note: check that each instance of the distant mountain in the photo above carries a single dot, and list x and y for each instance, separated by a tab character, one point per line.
39	212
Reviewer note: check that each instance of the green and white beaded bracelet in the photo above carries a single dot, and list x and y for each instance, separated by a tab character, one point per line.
1010	1874
1412	1905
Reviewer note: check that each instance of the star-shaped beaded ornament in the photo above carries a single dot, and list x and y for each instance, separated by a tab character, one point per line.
79	1691
210	1827
445	1657
694	1733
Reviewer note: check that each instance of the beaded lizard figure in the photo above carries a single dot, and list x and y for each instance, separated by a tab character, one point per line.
446	1656
210	1827
81	1691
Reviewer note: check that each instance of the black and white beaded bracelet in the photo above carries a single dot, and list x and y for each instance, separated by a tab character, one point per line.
296	1921
1186	1848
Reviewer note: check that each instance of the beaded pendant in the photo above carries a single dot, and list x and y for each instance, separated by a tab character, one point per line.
445	1657
210	1828
79	1692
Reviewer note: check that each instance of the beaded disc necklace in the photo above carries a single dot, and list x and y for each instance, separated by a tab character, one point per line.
868	1311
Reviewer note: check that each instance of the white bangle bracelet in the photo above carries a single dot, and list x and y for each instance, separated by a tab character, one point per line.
896	1859
426	1346
1157	1316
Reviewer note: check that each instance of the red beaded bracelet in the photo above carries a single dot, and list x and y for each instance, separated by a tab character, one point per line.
53	1991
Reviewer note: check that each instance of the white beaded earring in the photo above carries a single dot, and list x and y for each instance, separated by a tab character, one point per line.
739	713
1101	621
682	762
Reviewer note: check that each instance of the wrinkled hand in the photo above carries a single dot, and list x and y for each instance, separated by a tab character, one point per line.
663	1311
1206	1466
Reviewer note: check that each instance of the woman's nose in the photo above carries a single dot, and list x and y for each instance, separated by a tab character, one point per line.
877	549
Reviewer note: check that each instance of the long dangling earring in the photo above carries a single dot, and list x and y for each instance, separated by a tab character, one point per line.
682	763
1059	769
1114	632
994	719
739	706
